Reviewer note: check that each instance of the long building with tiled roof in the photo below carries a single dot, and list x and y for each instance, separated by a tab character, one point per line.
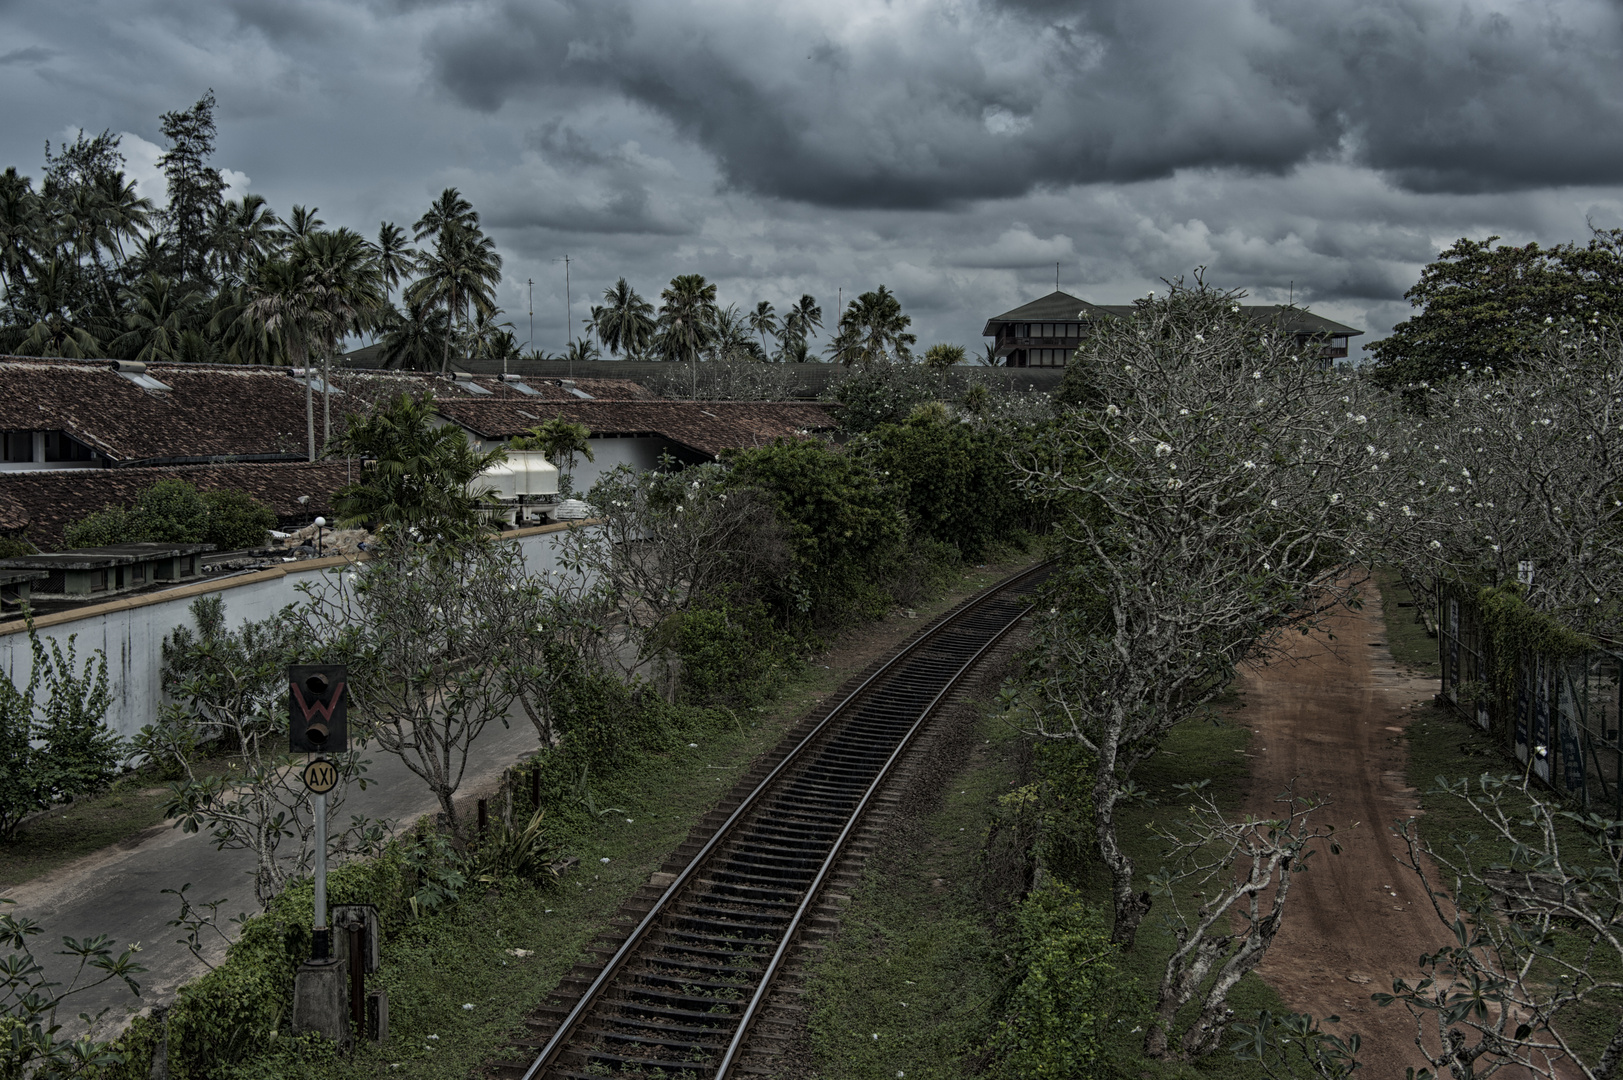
110	414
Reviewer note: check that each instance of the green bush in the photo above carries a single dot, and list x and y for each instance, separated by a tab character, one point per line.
13	546
1070	996
953	480
173	511
107	526
237	1010
236	520
884	394
730	654
844	526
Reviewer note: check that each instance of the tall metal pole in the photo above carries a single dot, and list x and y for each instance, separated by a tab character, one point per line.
322	935
531	284
569	318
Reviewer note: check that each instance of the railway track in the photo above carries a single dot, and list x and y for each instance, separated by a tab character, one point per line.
689	974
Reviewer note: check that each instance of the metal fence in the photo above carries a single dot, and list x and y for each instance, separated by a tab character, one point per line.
1563	715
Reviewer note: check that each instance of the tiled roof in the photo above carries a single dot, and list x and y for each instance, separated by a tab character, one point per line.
42	504
212	412
708	427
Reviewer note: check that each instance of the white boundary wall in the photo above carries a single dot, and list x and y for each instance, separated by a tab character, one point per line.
130	631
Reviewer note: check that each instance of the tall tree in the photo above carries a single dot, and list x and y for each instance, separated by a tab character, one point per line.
245	232
340	276
396	258
195	187
763	320
874	330
687	317
800	322
463	269
625	322
415	340
1490	307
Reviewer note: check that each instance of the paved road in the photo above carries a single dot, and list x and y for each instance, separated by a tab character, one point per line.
119	891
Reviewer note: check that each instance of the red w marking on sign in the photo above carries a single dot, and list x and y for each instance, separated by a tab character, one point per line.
311	709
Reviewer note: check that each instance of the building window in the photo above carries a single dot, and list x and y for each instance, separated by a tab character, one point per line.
138	574
98	581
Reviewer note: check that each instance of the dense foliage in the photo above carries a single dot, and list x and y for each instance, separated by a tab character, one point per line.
1487	308
174	511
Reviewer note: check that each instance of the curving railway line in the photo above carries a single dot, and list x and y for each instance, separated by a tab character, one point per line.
688	977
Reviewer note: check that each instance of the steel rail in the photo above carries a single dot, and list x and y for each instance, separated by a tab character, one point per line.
589	998
735	1048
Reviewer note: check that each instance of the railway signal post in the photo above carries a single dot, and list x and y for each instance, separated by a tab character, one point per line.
318	726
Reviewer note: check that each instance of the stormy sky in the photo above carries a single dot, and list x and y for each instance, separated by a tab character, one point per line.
954	150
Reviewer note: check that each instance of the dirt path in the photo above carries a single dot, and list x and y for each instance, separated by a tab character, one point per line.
1332	717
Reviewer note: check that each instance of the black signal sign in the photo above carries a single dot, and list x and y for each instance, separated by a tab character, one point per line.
316	701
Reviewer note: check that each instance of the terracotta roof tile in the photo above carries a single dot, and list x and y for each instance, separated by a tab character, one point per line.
708	427
219	411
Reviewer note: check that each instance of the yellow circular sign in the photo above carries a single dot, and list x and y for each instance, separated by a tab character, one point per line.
320	776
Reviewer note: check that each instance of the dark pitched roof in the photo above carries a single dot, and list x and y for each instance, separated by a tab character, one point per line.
708	427
214	411
1063	307
42	504
1055	307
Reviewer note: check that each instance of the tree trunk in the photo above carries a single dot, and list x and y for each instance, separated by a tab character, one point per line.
1130	907
309	406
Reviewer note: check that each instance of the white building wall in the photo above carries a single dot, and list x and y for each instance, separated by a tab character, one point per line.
131	631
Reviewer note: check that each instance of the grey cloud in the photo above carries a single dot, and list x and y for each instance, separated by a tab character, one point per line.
1113	91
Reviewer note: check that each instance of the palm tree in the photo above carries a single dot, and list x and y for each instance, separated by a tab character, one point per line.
300	223
245	232
800	322
395	257
687	318
340	275
582	351
417	478
763	321
280	302
464	267
625	321
730	340
873	329
449	211
562	441
19	225
52	322
158	314
416	340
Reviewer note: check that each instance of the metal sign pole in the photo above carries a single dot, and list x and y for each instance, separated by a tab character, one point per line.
323	936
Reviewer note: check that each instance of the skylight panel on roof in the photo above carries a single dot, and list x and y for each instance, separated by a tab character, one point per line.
465	382
144	381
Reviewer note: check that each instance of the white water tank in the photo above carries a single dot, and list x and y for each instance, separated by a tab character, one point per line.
525	474
569	510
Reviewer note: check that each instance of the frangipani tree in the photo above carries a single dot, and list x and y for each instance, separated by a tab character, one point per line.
1215	493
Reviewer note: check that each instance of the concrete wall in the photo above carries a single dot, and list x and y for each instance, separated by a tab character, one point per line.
130	631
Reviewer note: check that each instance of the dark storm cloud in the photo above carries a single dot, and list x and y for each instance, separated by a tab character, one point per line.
32	54
931	106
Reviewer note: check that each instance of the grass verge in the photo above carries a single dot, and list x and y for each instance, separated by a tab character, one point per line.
1411	643
915	981
131	806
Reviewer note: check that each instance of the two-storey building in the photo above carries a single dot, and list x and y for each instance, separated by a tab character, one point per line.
1045	332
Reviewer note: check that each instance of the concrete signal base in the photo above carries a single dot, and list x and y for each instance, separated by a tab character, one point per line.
321	999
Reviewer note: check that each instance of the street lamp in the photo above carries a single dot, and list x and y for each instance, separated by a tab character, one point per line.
320	523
